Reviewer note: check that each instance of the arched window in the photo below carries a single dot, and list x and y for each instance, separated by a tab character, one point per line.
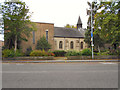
81	45
60	45
71	45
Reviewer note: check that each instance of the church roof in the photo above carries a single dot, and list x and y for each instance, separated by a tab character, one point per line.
79	21
67	32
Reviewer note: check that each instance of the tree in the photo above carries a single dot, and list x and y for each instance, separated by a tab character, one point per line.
17	24
70	26
107	23
98	42
87	38
96	37
43	44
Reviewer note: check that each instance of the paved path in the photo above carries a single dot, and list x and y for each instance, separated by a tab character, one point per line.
55	61
56	75
60	58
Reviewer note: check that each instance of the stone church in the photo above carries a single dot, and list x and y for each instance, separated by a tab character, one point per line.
61	38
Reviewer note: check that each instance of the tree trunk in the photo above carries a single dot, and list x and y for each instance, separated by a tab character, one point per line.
15	43
98	48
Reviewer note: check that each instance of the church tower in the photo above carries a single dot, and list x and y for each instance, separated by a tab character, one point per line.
79	23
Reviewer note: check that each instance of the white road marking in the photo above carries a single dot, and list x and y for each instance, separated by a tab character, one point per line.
108	63
19	64
43	72
24	71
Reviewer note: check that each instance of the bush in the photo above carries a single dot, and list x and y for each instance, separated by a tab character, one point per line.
73	53
118	52
36	53
86	52
8	53
41	53
51	54
106	53
43	44
95	53
59	53
11	53
114	52
28	51
18	53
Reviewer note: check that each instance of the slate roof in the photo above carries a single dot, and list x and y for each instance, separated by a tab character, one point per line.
67	32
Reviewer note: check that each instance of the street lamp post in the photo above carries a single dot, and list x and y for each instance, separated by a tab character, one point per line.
92	33
92	45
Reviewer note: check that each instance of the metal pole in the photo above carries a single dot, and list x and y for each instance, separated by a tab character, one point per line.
92	33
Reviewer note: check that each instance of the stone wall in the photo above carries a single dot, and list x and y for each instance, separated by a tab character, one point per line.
66	43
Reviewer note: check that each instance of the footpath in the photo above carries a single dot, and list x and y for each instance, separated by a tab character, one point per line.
56	61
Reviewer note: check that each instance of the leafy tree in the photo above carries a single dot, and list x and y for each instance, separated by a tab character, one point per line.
94	11
98	42
107	22
87	38
70	26
17	24
43	44
96	37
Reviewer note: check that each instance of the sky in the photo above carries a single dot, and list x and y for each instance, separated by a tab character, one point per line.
59	12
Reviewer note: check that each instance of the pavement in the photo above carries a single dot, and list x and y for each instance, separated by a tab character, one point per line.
57	61
57	75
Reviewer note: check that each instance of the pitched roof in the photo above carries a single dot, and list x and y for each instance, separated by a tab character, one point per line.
67	32
79	21
43	23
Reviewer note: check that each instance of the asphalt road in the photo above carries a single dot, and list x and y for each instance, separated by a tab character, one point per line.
64	75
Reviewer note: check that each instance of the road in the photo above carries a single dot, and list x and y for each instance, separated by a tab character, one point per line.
60	75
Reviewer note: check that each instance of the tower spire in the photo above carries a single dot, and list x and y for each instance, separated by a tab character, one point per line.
79	23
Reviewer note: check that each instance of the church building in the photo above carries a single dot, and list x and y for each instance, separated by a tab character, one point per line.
60	38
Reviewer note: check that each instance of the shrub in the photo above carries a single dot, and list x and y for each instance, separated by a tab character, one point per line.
49	51
41	53
36	53
44	53
86	52
114	52
43	44
18	53
8	53
73	53
95	53
105	53
28	51
118	52
11	53
59	53
51	54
